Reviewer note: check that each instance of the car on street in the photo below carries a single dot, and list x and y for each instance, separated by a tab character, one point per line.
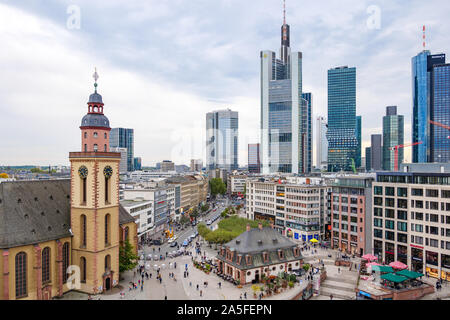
173	244
185	243
172	239
299	272
157	242
209	222
149	257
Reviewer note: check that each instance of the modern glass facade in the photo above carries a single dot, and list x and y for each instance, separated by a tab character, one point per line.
321	142
137	164
254	163
285	144
358	137
368	159
393	135
123	138
308	98
440	136
222	140
341	135
422	88
376	152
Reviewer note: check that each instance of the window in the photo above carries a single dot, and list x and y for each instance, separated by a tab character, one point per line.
46	265
106	136
432	193
434	230
83	228
85	135
389	213
85	147
434	218
390	202
127	232
402	237
419	216
377	212
378	201
107	229
21	275
107	183
83	182
434	205
389	191
83	269
105	148
95	147
402	192
378	222
378	190
402	226
389	235
417	192
95	135
65	261
402	215
108	263
402	203
389	224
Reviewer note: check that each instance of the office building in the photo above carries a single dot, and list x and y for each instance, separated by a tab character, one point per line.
236	184
368	159
393	135
321	143
376	152
423	108
167	166
222	140
296	208
341	135
358	137
284	112
123	166
411	222
254	163
440	113
137	164
196	165
124	138
352	214
307	97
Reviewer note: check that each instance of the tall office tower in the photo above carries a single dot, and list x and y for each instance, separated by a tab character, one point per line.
341	135
123	165
376	152
196	165
138	164
167	166
284	114
222	140
321	143
368	159
440	113
254	162
423	109
393	135
308	98
358	137
124	138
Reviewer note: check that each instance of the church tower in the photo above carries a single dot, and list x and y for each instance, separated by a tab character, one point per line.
95	202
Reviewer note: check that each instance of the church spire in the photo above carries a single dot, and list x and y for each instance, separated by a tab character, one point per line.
95	76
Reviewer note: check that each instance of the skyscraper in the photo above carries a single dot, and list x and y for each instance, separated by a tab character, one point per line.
423	109
284	113
358	137
376	151
440	113
341	135
254	163
222	140
321	143
393	135
124	138
138	164
308	98
368	159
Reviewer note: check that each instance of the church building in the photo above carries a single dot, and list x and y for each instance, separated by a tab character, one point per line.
62	235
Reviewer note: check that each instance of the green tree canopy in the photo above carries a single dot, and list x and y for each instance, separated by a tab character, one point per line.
184	220
217	187
128	260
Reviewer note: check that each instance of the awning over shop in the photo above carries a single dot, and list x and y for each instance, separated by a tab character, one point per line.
393	278
409	274
385	269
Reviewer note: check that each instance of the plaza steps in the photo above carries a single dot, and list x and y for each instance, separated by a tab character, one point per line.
336	293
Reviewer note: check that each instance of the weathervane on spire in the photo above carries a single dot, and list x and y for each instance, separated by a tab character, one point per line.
95	76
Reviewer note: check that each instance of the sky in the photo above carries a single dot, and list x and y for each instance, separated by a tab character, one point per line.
164	64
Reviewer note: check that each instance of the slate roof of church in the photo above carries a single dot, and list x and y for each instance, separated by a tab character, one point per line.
37	211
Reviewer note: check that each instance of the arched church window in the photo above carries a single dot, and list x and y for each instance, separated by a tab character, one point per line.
65	256
107	229
83	228
21	275
83	269
95	147
46	265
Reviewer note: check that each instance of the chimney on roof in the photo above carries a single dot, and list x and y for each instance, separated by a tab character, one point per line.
260	227
248	227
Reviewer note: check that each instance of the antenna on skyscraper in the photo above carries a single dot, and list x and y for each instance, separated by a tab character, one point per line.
424	37
284	12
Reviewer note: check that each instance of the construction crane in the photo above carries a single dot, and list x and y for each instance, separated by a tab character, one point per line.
440	125
396	148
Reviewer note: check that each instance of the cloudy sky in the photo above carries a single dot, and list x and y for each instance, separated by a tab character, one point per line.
164	64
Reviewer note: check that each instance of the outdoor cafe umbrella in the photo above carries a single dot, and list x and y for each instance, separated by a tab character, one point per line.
398	265
314	240
369	257
370	264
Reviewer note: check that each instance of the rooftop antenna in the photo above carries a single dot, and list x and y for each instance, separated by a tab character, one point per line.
95	76
424	37
284	11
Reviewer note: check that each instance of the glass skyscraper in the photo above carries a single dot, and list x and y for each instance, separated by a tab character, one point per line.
368	159
123	138
393	135
254	163
308	98
222	140
358	137
422	88
284	112
440	112
341	135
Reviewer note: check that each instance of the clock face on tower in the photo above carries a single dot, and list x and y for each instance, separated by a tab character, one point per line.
108	171
83	172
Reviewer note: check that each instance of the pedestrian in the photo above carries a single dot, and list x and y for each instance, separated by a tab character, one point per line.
240	297
339	270
220	285
165	297
139	281
190	284
197	287
201	292
331	297
245	295
160	280
142	287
